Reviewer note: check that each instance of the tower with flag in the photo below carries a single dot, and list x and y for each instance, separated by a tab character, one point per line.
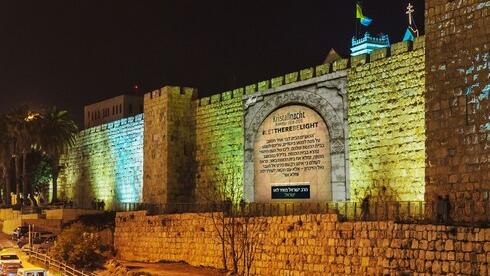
366	43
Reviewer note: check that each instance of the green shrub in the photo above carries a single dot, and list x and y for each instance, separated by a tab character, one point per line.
79	245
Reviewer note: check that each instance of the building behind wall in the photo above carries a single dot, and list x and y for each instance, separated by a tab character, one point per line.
112	109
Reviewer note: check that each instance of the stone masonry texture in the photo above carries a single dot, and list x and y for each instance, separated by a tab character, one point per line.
386	124
457	105
311	245
106	163
168	146
191	144
219	140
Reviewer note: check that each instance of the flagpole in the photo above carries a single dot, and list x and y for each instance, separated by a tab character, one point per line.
355	18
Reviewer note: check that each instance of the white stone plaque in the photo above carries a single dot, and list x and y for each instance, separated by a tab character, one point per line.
292	150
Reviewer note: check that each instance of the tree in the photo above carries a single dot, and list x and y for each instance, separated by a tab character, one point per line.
40	174
238	233
80	246
5	160
20	130
58	133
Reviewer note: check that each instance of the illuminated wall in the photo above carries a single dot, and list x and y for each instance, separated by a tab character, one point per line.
458	105
169	145
106	163
386	123
219	143
192	147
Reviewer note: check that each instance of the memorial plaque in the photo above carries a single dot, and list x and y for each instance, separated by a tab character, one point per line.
292	150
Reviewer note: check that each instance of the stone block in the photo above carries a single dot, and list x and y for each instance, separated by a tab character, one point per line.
400	47
306	73
378	54
227	95
291	77
250	89
277	81
419	43
238	93
340	64
322	69
263	85
358	60
215	98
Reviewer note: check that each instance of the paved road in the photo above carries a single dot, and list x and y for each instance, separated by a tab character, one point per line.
171	269
160	269
9	246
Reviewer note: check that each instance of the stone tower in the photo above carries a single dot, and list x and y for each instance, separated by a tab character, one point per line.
168	145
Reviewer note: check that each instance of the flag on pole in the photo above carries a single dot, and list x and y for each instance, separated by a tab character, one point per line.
365	21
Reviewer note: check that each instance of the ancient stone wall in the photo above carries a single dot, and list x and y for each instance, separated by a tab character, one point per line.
457	105
105	163
181	147
168	145
218	142
310	244
386	123
374	117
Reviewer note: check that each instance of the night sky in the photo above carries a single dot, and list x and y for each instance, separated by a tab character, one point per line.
70	53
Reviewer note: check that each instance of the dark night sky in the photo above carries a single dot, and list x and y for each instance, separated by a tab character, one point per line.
69	53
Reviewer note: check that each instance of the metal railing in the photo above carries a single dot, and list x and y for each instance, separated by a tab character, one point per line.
171	208
398	211
346	210
460	213
51	263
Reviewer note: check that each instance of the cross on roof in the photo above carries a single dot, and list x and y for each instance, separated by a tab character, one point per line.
410	10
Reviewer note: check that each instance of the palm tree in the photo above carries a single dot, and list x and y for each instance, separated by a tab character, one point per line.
5	160
20	130
58	132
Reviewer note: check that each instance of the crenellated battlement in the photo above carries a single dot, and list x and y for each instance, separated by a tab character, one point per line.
179	130
312	72
171	90
112	125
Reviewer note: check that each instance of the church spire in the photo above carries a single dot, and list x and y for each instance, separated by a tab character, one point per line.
412	32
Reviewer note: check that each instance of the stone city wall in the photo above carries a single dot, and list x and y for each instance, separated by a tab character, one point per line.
206	136
219	141
386	123
105	163
310	244
457	104
168	145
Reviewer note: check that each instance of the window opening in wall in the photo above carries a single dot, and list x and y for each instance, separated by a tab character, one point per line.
130	109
